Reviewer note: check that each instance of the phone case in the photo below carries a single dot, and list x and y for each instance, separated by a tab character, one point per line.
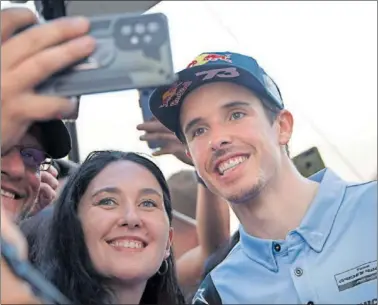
309	162
144	96
132	52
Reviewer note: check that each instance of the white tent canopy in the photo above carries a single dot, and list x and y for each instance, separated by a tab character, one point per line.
323	55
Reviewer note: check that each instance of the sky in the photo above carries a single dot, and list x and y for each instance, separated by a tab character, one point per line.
322	55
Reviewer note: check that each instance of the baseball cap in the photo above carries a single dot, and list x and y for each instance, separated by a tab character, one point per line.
56	139
166	101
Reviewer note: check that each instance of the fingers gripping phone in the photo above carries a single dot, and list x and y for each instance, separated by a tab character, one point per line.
132	52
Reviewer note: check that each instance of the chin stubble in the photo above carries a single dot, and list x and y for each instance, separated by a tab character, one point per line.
248	195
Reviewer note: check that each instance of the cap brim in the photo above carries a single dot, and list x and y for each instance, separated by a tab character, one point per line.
169	113
56	138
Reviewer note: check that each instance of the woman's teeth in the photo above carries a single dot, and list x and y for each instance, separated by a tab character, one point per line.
230	163
127	244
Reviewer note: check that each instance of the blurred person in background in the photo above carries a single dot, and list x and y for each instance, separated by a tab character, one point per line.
294	231
65	169
110	237
183	188
25	62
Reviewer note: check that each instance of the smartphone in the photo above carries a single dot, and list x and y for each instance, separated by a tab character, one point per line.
309	162
25	271
74	115
132	52
144	96
94	8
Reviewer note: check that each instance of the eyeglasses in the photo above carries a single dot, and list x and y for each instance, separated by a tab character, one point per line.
35	158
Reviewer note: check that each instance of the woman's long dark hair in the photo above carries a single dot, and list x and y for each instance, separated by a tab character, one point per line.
67	263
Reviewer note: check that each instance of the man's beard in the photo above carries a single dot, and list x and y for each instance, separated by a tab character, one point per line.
246	195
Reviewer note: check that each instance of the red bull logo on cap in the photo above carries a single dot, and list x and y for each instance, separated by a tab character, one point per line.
173	95
205	58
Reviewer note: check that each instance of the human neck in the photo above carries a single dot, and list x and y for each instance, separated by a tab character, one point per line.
280	207
128	294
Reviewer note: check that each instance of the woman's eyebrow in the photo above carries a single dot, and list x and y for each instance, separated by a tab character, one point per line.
106	190
150	191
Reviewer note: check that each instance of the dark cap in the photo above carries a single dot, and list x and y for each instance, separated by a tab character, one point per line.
166	101
56	139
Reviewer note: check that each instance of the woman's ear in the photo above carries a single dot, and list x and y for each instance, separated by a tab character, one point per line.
169	243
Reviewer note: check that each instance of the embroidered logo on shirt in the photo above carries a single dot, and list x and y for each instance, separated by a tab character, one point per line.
356	276
199	297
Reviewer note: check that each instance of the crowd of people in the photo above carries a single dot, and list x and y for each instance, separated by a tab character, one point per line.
113	230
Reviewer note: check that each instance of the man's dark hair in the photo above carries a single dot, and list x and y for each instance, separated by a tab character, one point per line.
272	112
66	261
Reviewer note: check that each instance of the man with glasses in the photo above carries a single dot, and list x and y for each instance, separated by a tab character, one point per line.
27	177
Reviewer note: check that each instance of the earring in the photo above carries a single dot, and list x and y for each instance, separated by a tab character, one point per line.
165	268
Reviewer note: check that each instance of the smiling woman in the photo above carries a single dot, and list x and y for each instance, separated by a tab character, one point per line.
110	238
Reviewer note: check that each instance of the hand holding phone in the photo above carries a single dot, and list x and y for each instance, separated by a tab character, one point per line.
132	52
30	57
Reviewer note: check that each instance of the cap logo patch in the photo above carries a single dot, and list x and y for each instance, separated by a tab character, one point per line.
230	72
172	96
209	57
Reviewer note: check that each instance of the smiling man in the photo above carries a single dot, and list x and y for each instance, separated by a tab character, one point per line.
22	165
298	236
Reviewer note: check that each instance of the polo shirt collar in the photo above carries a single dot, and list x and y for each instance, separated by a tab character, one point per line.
315	226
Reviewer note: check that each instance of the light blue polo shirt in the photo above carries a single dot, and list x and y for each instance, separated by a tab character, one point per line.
331	258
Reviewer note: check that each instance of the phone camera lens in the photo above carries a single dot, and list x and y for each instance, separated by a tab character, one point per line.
140	28
126	30
153	27
134	40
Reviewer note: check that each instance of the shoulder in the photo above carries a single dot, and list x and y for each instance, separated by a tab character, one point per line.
207	293
362	193
369	187
221	254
